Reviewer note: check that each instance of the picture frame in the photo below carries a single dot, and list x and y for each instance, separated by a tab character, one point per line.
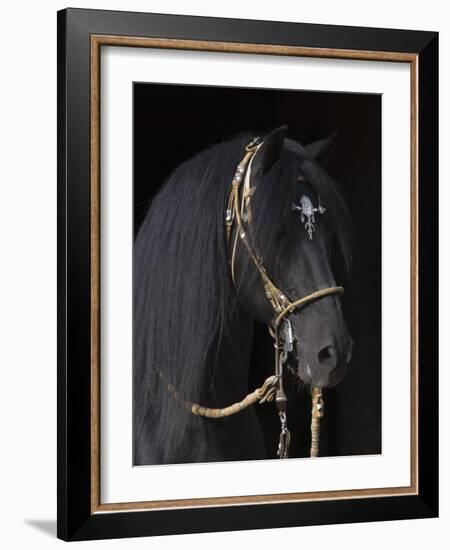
81	36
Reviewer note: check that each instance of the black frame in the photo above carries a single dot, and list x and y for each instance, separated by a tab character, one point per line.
75	520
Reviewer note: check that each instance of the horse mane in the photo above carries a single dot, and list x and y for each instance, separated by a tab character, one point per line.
185	304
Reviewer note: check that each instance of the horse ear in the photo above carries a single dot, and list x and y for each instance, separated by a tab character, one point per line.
270	150
322	150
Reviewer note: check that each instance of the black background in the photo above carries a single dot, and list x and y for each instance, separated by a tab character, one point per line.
173	122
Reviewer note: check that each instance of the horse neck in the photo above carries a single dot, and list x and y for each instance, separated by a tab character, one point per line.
230	377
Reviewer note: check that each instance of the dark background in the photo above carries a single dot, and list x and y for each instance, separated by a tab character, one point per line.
173	122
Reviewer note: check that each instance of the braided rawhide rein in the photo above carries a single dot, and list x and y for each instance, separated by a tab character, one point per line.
264	394
316	414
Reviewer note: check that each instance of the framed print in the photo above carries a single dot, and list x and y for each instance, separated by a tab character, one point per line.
247	274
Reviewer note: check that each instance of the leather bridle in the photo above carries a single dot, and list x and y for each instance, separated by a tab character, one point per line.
280	327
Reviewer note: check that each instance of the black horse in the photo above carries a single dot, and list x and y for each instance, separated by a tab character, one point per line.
193	326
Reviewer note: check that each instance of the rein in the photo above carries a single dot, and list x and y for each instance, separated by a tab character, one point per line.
238	212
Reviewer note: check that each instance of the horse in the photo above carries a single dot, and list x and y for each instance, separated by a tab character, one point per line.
194	312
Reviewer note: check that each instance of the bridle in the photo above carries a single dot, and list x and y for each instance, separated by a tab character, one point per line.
280	327
238	213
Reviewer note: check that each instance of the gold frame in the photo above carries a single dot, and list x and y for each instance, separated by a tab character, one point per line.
97	41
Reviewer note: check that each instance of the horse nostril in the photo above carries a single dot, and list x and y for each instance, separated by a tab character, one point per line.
327	356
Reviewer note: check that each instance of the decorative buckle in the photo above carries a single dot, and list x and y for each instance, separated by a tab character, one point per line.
307	214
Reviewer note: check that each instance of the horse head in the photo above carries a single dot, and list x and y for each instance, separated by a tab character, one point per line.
295	223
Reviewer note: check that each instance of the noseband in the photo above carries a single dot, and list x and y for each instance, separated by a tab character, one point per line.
238	213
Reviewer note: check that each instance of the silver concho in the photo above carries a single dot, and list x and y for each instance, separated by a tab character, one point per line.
307	214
